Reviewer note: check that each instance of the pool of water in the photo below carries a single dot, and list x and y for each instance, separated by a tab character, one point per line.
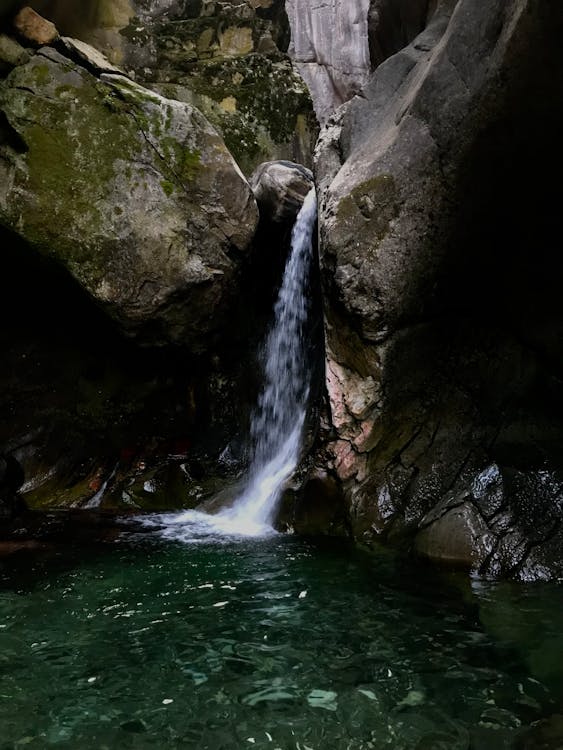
224	644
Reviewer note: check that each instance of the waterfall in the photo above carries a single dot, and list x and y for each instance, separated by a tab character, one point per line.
278	419
277	422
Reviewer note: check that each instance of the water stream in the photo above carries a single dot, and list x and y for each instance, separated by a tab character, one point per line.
277	423
278	420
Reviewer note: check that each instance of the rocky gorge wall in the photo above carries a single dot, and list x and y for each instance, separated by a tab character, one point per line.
128	230
443	324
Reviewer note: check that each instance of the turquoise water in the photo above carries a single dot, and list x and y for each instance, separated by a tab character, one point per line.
273	643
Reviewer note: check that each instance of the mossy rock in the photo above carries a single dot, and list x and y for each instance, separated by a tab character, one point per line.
260	106
88	166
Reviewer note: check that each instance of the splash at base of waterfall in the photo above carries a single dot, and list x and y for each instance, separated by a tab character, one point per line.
196	527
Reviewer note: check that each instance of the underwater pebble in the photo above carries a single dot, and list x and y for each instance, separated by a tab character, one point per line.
368	693
323	699
412	698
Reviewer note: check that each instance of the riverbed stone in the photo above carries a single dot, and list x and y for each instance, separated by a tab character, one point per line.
135	195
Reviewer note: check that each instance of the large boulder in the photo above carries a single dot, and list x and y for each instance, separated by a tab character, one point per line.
280	187
444	319
135	195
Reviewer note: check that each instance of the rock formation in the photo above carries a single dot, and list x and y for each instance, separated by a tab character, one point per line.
125	224
329	44
226	58
444	327
443	424
135	195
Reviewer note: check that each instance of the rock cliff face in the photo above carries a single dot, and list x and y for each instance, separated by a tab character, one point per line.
329	44
335	45
444	322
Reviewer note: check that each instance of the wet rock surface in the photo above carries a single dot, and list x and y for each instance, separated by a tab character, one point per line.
494	521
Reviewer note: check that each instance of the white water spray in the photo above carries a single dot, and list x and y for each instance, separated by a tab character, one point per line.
278	420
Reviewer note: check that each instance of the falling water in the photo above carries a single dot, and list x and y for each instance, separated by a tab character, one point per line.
277	423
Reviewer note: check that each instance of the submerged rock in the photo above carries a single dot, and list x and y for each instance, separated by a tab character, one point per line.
135	195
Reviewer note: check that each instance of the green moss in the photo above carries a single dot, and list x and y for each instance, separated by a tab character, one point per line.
71	164
184	162
272	103
41	74
76	153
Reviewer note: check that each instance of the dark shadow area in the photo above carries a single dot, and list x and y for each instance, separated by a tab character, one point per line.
492	330
73	389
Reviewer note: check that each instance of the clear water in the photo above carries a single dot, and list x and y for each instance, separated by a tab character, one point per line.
277	423
267	643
